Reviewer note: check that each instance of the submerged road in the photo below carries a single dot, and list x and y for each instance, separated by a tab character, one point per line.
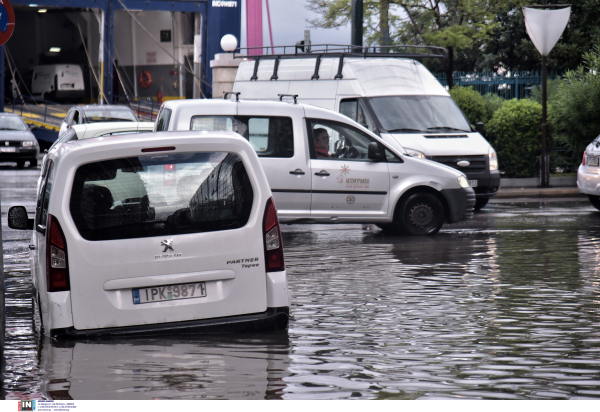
503	306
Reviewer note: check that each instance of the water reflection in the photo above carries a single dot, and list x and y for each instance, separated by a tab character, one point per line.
227	367
506	306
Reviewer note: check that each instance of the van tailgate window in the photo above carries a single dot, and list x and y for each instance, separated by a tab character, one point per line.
161	195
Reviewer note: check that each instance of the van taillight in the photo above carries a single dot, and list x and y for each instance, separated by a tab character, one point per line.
273	244
57	264
583	161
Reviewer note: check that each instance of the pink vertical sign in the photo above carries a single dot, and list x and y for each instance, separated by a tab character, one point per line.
254	29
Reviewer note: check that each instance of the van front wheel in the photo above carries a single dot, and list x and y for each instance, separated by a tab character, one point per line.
421	214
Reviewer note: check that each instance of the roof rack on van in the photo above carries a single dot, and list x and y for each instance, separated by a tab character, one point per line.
340	51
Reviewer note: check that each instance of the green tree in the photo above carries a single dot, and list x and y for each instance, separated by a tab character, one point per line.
471	103
576	103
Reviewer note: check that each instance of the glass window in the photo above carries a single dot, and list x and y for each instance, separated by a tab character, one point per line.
43	200
269	136
12	123
355	110
392	158
164	117
336	140
96	115
221	123
419	114
161	195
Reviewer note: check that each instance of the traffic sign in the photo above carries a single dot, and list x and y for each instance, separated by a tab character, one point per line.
7	21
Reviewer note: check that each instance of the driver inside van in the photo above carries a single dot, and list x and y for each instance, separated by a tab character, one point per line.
321	142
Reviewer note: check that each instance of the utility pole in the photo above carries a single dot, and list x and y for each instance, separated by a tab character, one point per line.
356	19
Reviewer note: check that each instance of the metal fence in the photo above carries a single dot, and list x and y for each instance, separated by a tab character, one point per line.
509	85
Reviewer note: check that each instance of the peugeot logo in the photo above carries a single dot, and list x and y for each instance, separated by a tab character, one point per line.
167	243
464	163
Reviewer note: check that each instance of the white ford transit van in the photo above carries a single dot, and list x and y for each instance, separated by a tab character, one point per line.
58	82
325	168
396	98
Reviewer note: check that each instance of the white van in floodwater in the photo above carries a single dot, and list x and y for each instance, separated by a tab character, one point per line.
58	82
390	94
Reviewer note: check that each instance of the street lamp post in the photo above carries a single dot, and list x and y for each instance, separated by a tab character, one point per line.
545	24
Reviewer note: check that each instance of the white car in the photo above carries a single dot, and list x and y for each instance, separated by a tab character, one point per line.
323	167
156	234
588	173
85	131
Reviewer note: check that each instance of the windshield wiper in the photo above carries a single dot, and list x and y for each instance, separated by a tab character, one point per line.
447	128
406	130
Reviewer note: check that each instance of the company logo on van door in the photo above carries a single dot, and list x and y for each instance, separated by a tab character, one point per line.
351	182
168	246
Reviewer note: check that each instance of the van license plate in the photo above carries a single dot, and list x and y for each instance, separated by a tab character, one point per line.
473	183
7	150
593	161
171	292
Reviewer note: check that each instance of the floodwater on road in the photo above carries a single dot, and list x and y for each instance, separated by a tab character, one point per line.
504	306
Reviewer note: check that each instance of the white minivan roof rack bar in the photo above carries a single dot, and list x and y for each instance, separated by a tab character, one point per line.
336	51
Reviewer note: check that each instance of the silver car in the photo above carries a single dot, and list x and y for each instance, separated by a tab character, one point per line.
588	174
17	143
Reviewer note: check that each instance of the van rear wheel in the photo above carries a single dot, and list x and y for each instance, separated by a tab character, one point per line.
421	214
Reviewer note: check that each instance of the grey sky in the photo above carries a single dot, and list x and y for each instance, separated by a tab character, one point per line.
288	21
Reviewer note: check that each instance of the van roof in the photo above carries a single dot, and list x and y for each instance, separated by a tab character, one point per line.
375	76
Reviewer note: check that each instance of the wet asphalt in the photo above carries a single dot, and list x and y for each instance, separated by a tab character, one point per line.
503	306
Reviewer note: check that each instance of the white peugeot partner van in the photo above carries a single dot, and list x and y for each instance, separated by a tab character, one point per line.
325	168
158	233
58	82
396	98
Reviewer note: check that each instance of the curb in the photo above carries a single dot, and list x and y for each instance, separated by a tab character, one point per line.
511	193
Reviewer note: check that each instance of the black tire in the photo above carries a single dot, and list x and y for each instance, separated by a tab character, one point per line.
480	202
595	201
421	214
32	162
20	164
36	315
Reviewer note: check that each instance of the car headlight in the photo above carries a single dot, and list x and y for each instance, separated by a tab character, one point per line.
415	153
463	182
28	143
493	159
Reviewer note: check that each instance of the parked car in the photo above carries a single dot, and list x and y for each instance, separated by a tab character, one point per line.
396	98
588	173
156	234
17	143
360	178
93	113
58	82
86	131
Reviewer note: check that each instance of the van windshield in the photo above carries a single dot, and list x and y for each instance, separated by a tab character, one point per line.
419	114
160	195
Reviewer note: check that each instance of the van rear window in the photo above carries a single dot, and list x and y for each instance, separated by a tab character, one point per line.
161	195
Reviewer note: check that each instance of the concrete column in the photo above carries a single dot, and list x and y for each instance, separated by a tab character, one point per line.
224	69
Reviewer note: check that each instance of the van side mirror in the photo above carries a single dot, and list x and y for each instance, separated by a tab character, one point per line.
373	152
479	128
18	219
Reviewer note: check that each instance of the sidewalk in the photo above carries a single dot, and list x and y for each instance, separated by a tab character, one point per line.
521	192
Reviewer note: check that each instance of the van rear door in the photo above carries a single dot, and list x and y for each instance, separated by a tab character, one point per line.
165	238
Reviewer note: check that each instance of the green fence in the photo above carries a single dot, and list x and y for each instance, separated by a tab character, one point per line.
509	85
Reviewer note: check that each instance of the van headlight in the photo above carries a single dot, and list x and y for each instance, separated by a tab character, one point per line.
463	182
415	153
493	159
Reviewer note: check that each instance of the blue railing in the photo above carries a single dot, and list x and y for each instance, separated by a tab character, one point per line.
145	108
509	85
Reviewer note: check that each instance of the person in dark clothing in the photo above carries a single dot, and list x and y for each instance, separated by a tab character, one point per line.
321	142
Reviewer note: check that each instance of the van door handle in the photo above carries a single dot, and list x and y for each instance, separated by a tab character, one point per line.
297	172
322	173
31	247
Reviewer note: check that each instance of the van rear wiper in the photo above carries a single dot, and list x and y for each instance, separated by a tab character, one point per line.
406	130
447	128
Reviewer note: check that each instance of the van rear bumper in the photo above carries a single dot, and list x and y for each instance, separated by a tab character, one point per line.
271	319
461	203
